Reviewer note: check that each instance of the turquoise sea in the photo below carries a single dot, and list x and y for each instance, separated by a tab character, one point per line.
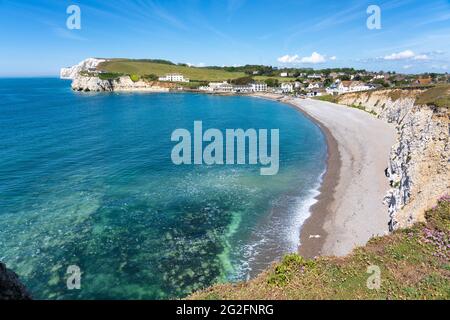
87	180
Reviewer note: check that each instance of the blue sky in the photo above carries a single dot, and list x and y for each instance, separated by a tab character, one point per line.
414	35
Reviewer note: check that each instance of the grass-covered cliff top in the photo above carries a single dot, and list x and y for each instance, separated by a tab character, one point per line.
161	68
414	264
438	96
143	67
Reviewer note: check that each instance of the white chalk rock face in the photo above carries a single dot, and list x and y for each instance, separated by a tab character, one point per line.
418	169
85	65
91	84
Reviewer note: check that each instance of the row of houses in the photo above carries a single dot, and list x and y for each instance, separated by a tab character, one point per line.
173	77
318	88
225	87
341	87
311	87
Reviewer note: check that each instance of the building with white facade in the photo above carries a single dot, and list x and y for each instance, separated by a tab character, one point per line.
287	87
315	76
174	77
224	87
245	88
259	87
217	87
352	86
315	85
316	93
333	89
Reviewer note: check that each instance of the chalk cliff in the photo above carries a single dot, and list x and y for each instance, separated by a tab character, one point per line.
85	77
123	83
418	168
85	65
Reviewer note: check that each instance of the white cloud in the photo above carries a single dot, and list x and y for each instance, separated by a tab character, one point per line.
408	66
421	57
288	59
313	58
407	54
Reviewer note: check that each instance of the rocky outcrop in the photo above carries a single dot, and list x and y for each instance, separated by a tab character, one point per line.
124	84
10	286
85	65
85	77
82	83
418	167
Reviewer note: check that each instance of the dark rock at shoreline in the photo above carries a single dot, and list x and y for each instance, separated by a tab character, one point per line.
10	286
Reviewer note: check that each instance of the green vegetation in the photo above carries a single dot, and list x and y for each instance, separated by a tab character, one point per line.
278	78
414	264
194	84
328	98
242	81
362	108
161	67
135	77
147	67
381	82
110	75
102	76
438	96
271	82
395	94
150	77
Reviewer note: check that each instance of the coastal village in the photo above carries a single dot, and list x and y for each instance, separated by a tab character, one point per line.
319	84
315	84
161	75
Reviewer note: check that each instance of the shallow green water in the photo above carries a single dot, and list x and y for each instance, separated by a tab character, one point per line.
87	180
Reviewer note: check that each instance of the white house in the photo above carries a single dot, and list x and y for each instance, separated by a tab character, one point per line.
226	87
244	88
333	89
352	86
316	93
284	74
315	85
314	76
259	87
297	84
380	76
287	87
218	87
174	77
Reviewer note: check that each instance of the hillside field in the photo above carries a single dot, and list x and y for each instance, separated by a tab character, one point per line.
145	68
140	67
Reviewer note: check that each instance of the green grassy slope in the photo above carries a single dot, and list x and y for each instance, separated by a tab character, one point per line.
137	67
438	96
414	264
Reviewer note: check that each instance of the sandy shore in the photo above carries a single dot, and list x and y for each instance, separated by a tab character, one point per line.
349	210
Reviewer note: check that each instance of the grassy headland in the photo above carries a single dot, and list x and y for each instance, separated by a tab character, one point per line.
414	264
147	67
196	74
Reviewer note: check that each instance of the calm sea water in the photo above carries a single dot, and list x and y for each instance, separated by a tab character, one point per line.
87	180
